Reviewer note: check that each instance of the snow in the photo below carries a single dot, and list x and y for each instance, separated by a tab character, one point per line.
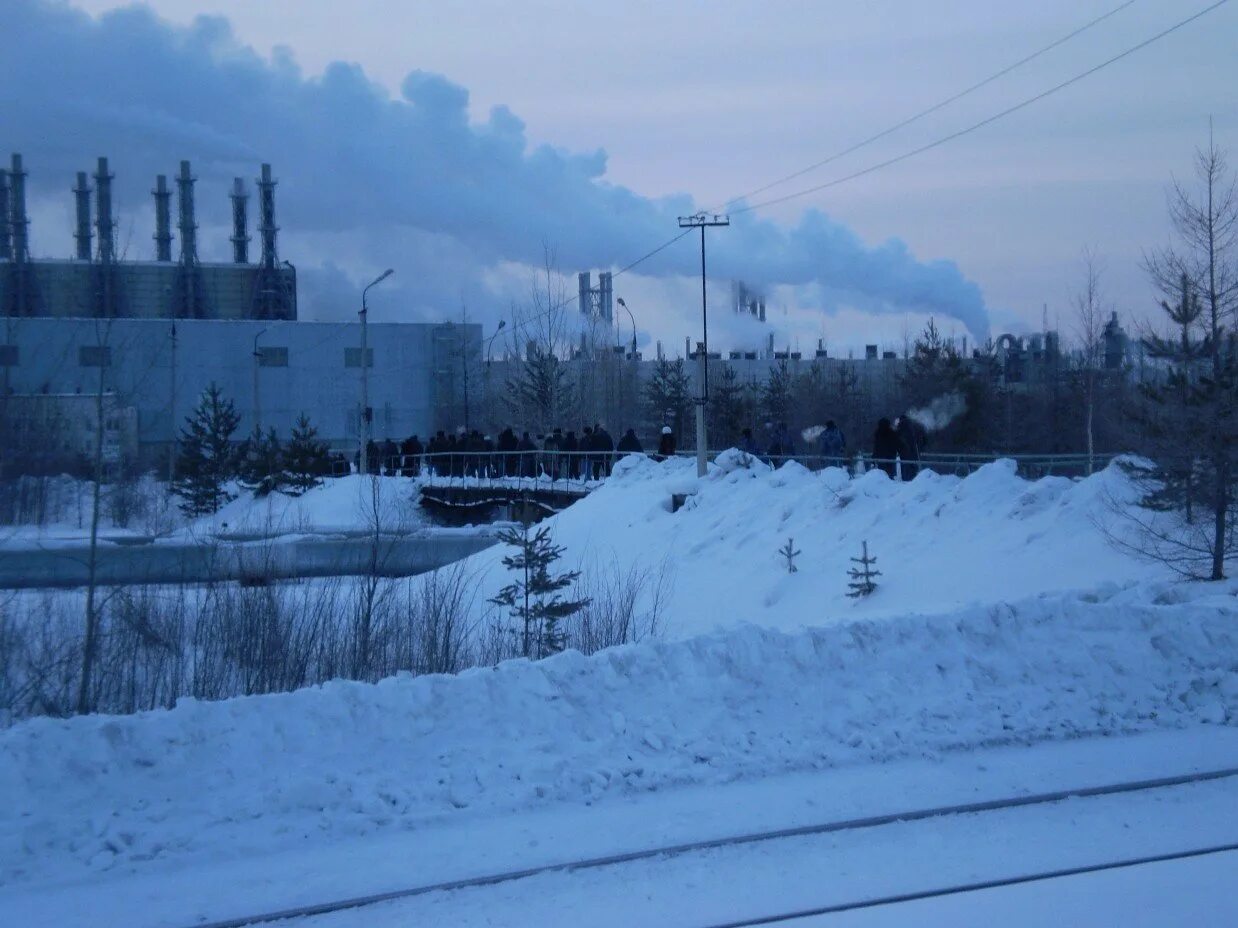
94	794
941	542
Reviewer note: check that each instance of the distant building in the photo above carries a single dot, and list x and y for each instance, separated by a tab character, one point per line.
596	302
747	302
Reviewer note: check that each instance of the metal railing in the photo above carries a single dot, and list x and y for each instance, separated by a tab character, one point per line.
581	471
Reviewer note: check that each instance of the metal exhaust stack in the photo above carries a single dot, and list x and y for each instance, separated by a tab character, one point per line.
6	238
103	209
240	222
188	227
267	227
163	219
19	225
81	194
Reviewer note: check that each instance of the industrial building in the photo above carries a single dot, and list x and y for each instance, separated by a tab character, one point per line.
154	334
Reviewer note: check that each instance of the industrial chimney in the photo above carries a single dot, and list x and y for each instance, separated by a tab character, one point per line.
6	238
81	194
266	208
240	222
103	210
163	219
19	225
188	226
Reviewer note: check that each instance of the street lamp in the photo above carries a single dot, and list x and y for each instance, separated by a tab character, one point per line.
365	374
257	395
633	318
490	344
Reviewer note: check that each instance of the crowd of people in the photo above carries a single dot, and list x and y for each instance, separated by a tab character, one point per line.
563	454
560	454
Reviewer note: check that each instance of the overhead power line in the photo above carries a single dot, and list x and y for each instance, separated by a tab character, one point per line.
936	106
984	122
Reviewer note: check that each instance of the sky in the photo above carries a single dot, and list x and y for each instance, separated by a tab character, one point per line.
460	142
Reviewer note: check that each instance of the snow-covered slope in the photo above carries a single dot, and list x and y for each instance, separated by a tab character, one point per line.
940	542
345	759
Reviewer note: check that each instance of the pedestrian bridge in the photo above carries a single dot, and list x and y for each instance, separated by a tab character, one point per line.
530	485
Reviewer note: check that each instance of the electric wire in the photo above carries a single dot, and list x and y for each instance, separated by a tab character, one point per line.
1022	104
934	108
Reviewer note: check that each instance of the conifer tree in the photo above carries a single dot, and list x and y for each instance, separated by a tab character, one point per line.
668	396
534	596
776	396
863	578
261	463
306	459
730	407
207	458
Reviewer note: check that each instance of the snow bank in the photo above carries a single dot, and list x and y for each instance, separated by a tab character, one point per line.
210	779
942	542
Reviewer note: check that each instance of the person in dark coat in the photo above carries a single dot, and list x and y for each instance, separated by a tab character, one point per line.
571	457
910	443
553	446
833	445
527	450
506	445
630	444
666	444
606	450
410	457
475	462
885	448
747	443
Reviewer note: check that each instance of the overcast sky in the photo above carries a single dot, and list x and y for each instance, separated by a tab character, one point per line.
646	110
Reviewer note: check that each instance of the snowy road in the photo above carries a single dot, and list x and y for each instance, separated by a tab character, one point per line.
795	874
694	889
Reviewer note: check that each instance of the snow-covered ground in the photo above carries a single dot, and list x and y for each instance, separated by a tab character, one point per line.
941	542
1004	617
245	774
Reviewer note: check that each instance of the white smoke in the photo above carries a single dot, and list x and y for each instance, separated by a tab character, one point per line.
940	412
812	433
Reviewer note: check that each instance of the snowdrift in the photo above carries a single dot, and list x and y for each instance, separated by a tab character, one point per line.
208	779
941	542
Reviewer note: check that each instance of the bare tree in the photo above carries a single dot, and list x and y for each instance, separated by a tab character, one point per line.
1090	316
541	338
1200	272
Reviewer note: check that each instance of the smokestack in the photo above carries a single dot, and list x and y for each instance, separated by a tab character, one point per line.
163	219
687	347
18	223
188	227
584	294
240	222
266	212
103	211
6	237
81	194
606	296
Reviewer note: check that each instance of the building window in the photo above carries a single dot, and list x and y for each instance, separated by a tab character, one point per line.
8	356
272	357
352	357
94	356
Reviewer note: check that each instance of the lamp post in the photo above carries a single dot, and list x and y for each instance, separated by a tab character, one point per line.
257	395
366	416
633	318
489	346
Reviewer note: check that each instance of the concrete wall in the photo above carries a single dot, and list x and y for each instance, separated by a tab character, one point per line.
413	387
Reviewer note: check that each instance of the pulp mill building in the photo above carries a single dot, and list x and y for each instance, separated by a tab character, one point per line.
160	331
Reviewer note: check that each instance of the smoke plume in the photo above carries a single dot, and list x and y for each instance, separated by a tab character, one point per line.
370	180
940	411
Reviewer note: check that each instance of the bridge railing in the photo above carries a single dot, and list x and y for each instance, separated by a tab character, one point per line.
581	471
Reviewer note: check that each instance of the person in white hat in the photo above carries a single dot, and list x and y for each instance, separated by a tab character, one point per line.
666	445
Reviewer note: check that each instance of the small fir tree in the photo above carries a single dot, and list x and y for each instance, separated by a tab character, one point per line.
862	577
207	458
306	459
790	552
776	395
534	596
261	463
668	396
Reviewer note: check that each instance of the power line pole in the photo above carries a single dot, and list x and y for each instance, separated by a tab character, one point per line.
702	221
